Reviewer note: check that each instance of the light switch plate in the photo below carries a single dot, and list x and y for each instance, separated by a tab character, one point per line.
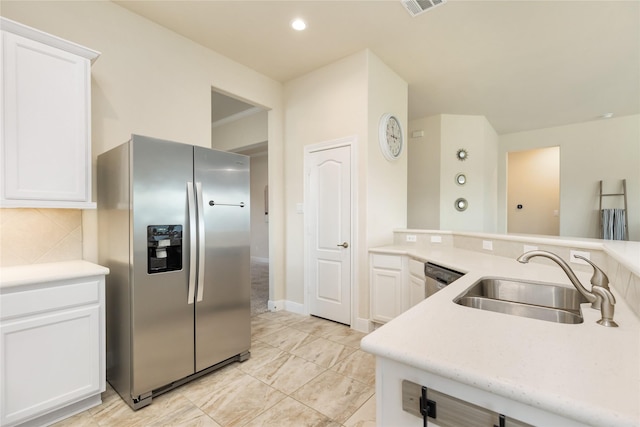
487	244
411	238
436	239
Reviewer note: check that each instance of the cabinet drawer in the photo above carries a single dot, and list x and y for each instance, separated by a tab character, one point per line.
416	268
26	302
387	261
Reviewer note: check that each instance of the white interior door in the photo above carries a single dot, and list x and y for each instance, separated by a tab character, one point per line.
329	233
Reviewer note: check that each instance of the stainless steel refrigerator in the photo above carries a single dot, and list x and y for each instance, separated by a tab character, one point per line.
173	223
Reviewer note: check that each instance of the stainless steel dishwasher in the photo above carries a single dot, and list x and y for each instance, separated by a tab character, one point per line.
437	277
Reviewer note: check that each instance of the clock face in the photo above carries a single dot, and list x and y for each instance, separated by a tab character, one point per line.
391	138
394	136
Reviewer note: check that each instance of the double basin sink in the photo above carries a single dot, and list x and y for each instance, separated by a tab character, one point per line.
536	300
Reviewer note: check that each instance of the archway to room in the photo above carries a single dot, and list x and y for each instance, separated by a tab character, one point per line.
241	127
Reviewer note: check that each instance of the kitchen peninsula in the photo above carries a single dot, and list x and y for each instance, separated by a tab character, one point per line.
537	372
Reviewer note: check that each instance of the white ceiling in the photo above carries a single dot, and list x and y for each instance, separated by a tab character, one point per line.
522	64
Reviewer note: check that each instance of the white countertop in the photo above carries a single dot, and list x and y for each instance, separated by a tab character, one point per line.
586	372
52	271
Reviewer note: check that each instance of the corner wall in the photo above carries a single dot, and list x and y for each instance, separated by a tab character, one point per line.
423	171
386	181
344	99
474	134
326	104
434	191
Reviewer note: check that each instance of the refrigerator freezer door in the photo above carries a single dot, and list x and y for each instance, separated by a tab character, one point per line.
223	316
162	320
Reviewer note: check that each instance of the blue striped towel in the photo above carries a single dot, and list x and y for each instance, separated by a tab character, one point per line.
613	224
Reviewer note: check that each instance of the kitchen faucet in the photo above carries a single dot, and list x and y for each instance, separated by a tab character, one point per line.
600	296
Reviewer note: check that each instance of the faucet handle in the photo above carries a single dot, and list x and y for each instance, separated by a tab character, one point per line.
608	301
599	277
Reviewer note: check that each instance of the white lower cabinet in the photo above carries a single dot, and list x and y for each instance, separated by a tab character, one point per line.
415	285
396	283
52	356
386	281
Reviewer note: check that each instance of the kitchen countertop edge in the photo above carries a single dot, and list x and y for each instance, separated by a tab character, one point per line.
53	271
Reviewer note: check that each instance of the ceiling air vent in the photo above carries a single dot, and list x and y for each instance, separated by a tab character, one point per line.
416	7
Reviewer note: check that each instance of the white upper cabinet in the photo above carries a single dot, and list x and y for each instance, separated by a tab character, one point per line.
46	120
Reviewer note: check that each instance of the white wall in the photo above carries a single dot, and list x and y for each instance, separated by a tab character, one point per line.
259	224
326	104
589	151
385	207
153	82
386	180
243	132
346	99
423	186
474	134
435	189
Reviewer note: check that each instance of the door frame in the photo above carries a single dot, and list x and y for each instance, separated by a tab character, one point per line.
352	143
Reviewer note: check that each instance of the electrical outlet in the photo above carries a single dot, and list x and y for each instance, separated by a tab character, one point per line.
487	244
575	260
436	239
412	238
529	248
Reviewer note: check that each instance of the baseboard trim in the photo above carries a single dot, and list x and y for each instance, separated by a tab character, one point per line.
282	304
362	325
295	307
275	305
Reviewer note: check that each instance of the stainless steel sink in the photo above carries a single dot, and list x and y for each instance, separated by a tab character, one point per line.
536	300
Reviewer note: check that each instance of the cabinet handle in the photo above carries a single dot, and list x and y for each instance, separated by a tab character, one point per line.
502	420
344	245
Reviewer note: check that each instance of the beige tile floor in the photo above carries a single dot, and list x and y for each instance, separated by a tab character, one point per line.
303	371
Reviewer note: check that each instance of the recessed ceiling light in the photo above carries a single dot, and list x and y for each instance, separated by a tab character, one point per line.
606	115
298	24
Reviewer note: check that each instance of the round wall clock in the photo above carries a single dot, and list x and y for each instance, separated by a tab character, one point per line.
390	136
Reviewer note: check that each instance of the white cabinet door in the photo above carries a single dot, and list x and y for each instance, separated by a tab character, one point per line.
415	283
52	343
416	290
386	281
386	294
46	91
48	361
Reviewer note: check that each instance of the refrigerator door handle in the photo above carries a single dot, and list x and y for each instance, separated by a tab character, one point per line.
192	243
201	244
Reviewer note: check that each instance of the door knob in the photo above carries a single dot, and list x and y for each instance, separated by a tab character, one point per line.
344	245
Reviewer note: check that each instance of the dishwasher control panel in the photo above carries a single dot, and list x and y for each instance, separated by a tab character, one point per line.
441	274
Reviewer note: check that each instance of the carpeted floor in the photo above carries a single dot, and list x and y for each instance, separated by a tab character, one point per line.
259	287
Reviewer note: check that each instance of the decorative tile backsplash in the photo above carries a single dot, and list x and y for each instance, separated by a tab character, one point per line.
30	236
